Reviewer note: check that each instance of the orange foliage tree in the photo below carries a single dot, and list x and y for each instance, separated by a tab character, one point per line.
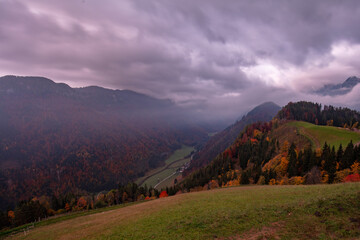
67	207
11	215
82	203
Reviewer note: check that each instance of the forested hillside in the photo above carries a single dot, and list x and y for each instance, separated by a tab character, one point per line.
275	152
220	141
55	139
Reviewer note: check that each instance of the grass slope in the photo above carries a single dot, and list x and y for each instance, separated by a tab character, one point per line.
318	135
176	160
252	212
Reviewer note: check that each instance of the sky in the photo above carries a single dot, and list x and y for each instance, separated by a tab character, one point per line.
218	57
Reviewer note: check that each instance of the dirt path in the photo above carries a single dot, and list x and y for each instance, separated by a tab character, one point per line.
311	137
164	179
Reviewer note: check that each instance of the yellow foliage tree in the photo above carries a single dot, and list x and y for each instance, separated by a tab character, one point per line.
261	180
296	180
285	148
324	177
341	175
110	197
234	182
355	168
282	167
272	181
256	133
330	122
272	163
283	181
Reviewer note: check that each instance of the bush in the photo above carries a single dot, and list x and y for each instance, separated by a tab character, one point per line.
61	211
341	175
100	204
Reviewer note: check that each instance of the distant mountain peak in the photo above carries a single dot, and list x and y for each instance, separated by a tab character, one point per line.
266	107
338	89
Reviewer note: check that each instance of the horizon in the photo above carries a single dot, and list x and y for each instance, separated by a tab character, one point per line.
202	55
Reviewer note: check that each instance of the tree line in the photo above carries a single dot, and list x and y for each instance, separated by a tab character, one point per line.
314	113
36	209
255	158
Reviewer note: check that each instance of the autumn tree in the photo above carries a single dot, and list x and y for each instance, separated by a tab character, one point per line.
163	194
67	207
82	203
292	170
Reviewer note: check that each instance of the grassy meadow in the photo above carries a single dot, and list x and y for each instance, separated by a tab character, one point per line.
250	212
176	160
318	135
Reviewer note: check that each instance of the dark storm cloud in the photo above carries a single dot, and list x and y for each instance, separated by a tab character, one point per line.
205	54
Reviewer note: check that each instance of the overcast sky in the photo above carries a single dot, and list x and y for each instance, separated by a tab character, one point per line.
223	57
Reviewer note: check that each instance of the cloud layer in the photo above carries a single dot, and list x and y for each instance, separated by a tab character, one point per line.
218	57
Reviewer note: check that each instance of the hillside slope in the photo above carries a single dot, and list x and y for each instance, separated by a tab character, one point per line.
270	212
54	138
333	136
284	151
219	142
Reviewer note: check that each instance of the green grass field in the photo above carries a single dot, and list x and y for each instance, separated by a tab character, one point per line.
251	212
318	135
175	161
212	134
170	180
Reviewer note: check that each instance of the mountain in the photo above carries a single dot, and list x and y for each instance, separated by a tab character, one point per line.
54	138
219	142
338	89
286	151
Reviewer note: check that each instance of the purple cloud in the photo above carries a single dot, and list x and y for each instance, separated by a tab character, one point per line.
221	58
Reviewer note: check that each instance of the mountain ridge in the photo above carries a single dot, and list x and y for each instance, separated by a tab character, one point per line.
220	141
338	89
54	138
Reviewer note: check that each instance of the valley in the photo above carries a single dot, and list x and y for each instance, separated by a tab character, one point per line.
54	138
165	175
